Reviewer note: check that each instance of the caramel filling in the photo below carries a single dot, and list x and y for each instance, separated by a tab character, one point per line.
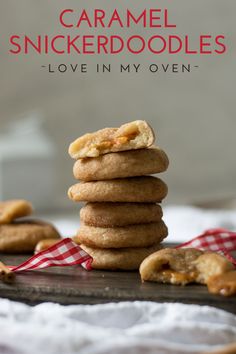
104	145
178	277
120	140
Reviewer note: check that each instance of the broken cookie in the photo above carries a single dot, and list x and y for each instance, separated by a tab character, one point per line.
170	265
223	284
183	266
211	264
134	135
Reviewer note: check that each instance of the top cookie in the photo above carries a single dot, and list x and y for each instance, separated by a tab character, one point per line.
13	209
130	136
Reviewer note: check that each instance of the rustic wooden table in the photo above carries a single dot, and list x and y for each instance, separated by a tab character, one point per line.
74	285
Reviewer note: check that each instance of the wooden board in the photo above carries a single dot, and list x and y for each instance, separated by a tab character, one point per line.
74	285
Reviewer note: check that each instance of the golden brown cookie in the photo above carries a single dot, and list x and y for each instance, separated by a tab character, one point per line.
118	259
75	239
143	235
45	244
22	237
211	264
121	164
135	190
182	266
170	265
223	284
13	209
120	214
224	349
134	135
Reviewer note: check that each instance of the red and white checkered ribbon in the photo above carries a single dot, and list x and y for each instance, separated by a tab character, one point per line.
64	253
221	241
68	253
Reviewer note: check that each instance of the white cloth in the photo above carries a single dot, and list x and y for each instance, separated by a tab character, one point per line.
118	328
187	222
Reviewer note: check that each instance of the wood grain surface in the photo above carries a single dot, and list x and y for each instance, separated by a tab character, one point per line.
74	285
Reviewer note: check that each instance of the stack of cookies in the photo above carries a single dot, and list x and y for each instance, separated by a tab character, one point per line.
121	224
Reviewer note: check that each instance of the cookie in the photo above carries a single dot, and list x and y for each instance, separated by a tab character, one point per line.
118	259
170	265
182	266
133	135
211	264
143	235
134	189
119	214
121	165
45	244
22	237
223	284
13	209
